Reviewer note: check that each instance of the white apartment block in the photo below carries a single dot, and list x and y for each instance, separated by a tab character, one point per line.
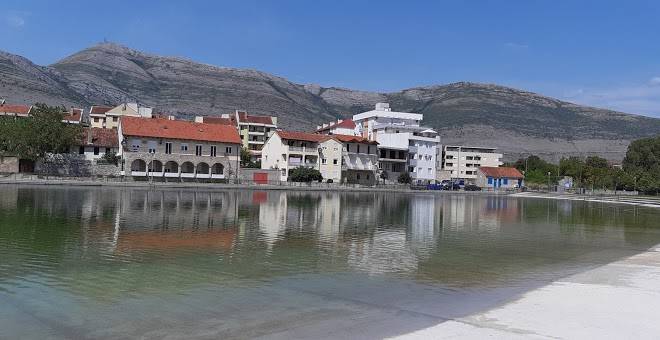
462	162
340	127
106	117
286	150
404	145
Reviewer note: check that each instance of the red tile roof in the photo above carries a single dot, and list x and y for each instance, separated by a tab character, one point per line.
500	172
243	117
219	120
344	124
304	136
353	139
74	115
179	129
106	138
15	109
97	109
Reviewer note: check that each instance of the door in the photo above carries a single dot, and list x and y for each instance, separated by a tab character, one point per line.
260	177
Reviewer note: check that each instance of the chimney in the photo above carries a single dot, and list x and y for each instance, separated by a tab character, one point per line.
383	107
2	102
318	127
89	136
339	121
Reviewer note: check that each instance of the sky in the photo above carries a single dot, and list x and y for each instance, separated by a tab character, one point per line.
600	53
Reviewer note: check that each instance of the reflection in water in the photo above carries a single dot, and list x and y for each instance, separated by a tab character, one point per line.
89	249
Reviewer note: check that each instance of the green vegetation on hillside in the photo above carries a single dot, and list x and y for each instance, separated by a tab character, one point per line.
41	133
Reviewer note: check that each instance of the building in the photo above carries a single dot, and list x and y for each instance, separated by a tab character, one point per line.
105	117
499	178
96	142
404	145
15	110
286	150
340	127
254	130
460	163
74	116
165	149
348	159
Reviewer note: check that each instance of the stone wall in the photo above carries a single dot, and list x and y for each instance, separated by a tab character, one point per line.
8	164
247	174
73	165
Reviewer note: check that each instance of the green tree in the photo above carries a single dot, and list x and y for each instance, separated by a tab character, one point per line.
41	133
404	178
305	174
246	159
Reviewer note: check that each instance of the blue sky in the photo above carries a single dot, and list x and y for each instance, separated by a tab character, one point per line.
601	53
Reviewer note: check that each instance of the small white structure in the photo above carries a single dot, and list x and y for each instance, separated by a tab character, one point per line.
499	178
340	127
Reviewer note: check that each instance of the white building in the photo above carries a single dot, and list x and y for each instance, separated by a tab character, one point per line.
404	145
105	117
340	127
462	162
286	150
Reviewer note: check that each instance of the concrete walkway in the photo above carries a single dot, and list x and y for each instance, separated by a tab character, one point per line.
620	300
644	201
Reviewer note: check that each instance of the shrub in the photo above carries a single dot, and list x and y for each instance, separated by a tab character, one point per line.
304	174
404	178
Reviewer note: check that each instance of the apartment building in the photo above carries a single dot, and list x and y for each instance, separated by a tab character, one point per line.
286	150
253	129
340	127
404	145
462	162
157	148
106	117
349	159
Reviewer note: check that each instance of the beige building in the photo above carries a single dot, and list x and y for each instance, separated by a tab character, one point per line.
254	130
157	148
106	117
462	162
340	158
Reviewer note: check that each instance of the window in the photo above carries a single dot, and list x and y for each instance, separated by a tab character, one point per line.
96	120
348	148
115	119
449	164
368	148
367	176
198	150
108	150
96	150
168	148
184	147
358	176
449	157
358	148
490	180
335	161
151	145
505	181
135	145
323	161
214	151
81	150
228	150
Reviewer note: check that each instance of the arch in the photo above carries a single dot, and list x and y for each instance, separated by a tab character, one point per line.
203	168
187	168
218	169
139	165
155	166
171	167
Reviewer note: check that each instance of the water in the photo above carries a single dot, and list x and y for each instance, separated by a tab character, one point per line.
125	263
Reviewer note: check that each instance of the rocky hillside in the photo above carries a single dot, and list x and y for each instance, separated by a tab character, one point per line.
516	121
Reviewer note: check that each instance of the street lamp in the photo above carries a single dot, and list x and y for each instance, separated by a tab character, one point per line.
549	173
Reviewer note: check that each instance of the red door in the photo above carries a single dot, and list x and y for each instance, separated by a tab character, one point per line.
260	177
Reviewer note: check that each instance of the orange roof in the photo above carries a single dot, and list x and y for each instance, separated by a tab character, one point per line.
219	120
304	136
74	115
352	139
500	172
106	138
243	117
15	109
178	129
97	109
344	124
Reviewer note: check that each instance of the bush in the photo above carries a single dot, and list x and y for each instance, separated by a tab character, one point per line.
304	174
404	178
110	158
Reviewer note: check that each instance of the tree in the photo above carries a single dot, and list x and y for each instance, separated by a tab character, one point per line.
246	159
110	158
41	133
384	175
404	178
305	174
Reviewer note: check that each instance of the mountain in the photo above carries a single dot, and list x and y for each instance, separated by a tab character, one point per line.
518	122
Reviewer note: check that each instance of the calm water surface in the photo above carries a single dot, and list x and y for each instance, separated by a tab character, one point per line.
125	263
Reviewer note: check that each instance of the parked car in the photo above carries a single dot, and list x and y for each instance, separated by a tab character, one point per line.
451	186
472	187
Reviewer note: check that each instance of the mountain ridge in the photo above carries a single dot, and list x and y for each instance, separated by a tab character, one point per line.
519	122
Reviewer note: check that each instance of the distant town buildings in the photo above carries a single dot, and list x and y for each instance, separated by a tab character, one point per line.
96	142
499	178
340	127
14	110
105	117
461	163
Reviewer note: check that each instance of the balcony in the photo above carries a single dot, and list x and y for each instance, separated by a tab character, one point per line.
303	150
305	164
359	162
255	142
